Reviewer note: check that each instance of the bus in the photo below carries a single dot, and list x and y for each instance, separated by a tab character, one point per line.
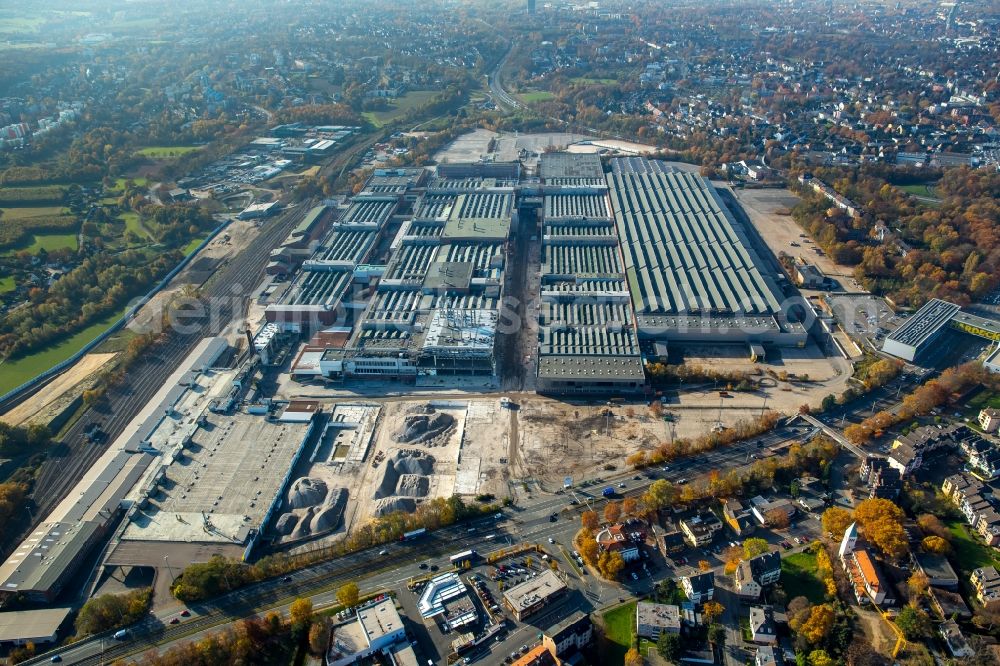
415	534
459	559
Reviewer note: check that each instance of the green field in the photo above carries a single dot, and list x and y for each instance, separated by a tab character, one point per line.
51	242
6	284
970	552
134	224
619	629
536	96
920	190
193	245
399	107
799	577
165	152
120	183
13	373
28	212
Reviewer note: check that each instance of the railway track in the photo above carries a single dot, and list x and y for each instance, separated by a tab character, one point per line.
73	456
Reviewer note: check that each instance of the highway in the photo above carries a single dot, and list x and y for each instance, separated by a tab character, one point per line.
532	523
494	79
230	285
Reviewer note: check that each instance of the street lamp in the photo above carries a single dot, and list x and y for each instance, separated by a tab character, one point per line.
166	560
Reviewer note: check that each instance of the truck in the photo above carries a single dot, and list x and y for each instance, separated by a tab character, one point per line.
608	492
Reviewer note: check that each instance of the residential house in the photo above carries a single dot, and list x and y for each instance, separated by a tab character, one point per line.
537	656
699	588
884	481
908	451
753	575
738	517
768	655
955	640
762	626
986	582
618	538
699	530
866	578
569	636
989	419
762	508
988	526
653	619
960	483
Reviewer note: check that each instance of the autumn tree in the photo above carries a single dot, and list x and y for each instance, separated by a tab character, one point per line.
587	546
755	546
815	625
610	564
704	565
590	520
348	594
633	657
301	611
659	495
882	522
931	525
712	610
630	507
935	545
918	584
732	557
612	512
319	634
777	518
821	658
637	459
836	521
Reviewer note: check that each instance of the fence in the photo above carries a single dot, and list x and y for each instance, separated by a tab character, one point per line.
35	381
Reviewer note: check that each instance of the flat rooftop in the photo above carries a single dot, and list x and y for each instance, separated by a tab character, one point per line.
683	251
928	320
21	626
222	484
571	168
380	620
530	592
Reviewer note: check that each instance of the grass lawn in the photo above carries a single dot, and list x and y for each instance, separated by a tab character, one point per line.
166	152
920	190
195	242
28	212
15	372
619	627
799	579
50	242
399	107
134	224
536	96
120	183
970	552
6	284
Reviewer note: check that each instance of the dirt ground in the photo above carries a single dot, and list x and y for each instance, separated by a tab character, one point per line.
466	458
769	211
39	406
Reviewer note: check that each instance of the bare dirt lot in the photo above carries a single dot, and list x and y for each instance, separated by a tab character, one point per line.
40	404
407	452
769	209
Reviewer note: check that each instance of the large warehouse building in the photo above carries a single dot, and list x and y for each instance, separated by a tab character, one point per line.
434	309
914	337
586	336
692	271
